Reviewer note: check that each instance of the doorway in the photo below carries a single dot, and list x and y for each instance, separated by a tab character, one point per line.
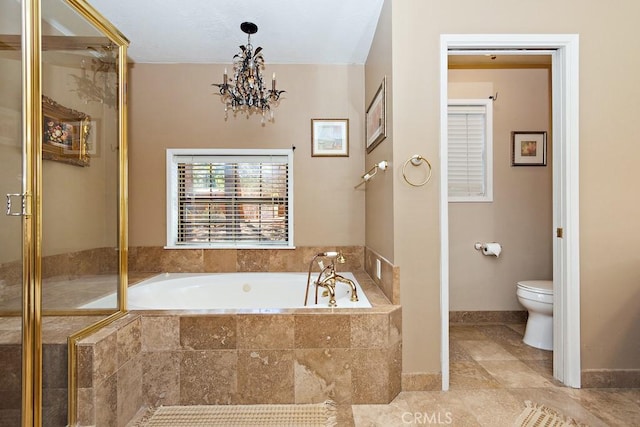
564	52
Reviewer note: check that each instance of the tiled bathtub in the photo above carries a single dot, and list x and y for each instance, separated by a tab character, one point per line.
152	358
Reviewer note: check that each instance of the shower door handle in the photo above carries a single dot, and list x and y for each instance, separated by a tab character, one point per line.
23	208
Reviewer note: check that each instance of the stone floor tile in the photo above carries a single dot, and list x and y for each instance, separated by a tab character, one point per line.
469	376
486	350
514	374
492	407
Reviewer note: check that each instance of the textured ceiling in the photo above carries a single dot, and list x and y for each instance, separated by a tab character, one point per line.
208	31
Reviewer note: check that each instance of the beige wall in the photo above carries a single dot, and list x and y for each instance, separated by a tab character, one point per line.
609	259
520	215
175	106
379	191
10	153
10	175
79	204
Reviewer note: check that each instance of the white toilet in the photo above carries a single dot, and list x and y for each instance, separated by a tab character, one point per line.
537	297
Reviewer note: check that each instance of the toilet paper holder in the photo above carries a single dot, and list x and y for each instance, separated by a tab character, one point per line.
491	248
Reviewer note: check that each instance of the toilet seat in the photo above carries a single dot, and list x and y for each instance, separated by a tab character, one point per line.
538	286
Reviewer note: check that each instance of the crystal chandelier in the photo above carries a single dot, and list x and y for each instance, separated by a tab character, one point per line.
245	91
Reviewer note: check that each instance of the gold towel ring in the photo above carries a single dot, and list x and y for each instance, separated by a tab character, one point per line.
416	160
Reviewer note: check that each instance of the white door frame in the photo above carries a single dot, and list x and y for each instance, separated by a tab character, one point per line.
566	254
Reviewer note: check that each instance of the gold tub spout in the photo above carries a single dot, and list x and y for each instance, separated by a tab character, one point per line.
354	291
328	277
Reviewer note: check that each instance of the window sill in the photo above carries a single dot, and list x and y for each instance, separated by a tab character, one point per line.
226	247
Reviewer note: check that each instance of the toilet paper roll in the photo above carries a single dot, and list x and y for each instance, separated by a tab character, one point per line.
492	249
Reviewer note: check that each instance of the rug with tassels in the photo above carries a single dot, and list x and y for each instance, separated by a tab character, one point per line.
537	415
298	415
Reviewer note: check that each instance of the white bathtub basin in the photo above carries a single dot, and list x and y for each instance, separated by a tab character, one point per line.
206	291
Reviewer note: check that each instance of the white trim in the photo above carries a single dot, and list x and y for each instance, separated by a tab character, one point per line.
171	196
205	246
572	197
566	189
566	216
444	212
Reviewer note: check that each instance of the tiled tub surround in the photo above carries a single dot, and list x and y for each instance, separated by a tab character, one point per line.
55	331
389	283
69	279
152	358
10	281
389	280
156	259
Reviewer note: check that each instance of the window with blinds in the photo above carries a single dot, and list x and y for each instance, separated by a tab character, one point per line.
470	153
230	198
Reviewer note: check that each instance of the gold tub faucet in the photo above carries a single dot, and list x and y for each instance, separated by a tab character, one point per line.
328	277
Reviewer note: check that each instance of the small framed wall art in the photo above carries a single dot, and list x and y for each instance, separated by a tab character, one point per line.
65	133
528	148
376	124
329	137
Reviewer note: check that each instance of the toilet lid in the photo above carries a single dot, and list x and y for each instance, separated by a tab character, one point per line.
540	286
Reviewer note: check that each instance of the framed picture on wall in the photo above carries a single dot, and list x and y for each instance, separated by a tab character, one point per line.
528	148
64	134
376	123
329	137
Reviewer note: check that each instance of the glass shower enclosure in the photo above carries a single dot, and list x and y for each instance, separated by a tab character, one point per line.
12	186
63	176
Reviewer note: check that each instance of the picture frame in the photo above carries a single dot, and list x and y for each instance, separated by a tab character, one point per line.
376	118
329	137
92	147
65	133
529	148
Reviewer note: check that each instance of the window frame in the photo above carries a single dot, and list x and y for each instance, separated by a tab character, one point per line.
488	150
172	204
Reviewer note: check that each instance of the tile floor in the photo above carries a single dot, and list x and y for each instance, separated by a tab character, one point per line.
492	373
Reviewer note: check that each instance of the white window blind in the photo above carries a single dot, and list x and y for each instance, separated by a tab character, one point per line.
469	151
231	199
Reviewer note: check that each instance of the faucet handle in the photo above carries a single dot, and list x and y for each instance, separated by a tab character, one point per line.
340	258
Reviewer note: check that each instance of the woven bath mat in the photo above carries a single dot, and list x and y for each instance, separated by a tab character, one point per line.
537	415
306	415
